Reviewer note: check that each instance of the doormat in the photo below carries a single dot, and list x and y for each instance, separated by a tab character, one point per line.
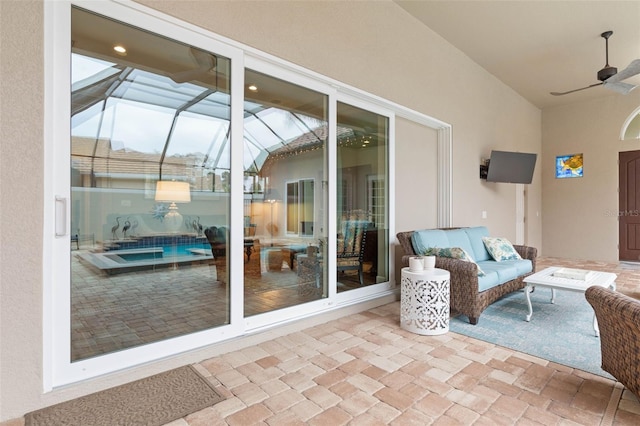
151	401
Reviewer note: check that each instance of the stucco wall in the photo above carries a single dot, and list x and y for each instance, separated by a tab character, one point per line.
374	46
21	203
378	47
580	215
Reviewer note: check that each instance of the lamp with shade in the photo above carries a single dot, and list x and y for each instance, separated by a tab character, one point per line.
173	192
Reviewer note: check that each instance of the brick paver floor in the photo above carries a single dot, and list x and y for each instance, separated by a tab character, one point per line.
364	369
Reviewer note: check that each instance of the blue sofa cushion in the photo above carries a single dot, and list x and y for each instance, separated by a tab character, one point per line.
523	266
428	238
470	240
500	272
459	238
475	235
438	238
489	280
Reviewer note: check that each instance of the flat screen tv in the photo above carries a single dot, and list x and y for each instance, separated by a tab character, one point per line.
511	167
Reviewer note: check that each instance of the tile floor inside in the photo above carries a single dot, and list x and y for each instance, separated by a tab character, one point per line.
115	312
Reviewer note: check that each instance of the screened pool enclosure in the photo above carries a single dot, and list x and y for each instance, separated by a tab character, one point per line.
154	148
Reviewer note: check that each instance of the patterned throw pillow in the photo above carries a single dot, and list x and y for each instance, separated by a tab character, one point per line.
500	249
454	253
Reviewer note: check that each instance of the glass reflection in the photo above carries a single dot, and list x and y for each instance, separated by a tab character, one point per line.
149	184
285	130
362	198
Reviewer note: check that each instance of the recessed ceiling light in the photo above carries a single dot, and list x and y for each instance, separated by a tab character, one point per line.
120	49
253	87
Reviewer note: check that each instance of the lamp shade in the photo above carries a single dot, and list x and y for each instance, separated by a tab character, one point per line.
172	191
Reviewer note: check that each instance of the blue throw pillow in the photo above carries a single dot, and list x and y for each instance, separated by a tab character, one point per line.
454	253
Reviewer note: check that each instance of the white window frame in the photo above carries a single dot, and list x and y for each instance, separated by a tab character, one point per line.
57	369
346	297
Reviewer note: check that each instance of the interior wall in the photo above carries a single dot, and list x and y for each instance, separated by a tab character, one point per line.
417	152
580	214
416	149
398	58
383	51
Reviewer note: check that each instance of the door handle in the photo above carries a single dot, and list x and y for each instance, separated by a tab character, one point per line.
61	216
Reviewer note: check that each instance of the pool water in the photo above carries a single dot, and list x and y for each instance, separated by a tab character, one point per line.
184	250
137	255
151	253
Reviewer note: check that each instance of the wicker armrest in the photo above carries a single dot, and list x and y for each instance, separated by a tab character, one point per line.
619	322
463	276
527	252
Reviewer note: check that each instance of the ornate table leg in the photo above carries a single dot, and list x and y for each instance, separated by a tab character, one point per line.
527	292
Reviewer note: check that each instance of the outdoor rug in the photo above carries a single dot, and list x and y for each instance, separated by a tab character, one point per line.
154	400
560	332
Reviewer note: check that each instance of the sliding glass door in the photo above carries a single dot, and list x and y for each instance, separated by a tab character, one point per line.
362	213
150	200
285	137
200	192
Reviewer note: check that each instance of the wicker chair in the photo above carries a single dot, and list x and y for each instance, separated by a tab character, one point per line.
466	299
352	238
619	321
351	247
218	237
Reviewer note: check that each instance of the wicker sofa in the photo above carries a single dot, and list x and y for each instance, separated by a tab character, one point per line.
619	322
468	294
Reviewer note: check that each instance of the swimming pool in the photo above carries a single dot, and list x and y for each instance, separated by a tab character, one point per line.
149	253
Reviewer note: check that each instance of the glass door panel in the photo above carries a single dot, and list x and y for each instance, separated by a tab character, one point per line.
285	131
150	198
362	198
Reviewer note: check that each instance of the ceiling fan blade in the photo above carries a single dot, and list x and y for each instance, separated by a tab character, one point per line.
576	90
205	60
619	87
630	71
206	63
185	76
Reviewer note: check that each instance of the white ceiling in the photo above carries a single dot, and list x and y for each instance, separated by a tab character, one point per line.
537	47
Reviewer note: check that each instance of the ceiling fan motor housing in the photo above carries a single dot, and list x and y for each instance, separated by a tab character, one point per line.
607	72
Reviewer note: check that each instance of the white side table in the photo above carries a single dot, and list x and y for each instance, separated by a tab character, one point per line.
424	302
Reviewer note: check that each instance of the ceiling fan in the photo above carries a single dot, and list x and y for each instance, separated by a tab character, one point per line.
609	76
206	63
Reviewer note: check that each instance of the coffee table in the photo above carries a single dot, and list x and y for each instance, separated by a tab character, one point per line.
546	278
